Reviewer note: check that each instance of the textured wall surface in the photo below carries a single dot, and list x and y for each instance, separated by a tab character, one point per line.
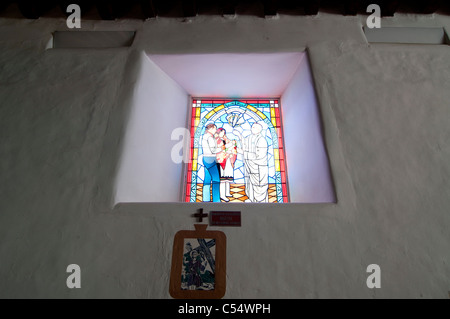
386	121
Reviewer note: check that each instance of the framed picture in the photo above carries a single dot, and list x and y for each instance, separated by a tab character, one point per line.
198	264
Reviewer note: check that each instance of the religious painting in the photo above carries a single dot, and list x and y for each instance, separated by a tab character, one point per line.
237	152
198	264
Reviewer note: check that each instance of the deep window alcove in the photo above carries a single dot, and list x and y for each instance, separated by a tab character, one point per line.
162	102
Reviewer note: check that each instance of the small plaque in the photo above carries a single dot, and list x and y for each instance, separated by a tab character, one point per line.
232	219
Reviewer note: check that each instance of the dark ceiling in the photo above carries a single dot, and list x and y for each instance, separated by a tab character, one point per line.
143	9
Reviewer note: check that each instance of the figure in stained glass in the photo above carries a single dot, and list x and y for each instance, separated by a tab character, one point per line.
225	161
256	165
211	172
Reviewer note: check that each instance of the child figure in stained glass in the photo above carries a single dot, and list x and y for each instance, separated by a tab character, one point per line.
225	162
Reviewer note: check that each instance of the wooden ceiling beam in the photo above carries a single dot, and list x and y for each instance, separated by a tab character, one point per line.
228	6
34	9
389	7
270	7
311	7
351	7
115	9
429	6
190	8
148	8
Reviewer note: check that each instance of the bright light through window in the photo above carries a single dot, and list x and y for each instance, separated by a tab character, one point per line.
237	152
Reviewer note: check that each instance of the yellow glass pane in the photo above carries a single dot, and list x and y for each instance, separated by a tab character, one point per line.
252	108
197	112
274	121
219	108
276	154
272	112
210	114
195	155
277	166
261	115
194	165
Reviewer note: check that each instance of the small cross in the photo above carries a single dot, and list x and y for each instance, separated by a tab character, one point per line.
200	215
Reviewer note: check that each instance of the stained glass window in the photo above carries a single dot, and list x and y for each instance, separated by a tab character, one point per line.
237	152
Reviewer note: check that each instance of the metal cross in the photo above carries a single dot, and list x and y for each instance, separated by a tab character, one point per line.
200	215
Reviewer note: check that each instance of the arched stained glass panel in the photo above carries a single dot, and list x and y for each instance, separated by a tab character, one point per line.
237	152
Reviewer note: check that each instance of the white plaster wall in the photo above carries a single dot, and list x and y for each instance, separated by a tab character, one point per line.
308	167
231	75
385	123
147	172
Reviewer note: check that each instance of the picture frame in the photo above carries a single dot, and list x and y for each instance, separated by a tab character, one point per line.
198	264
